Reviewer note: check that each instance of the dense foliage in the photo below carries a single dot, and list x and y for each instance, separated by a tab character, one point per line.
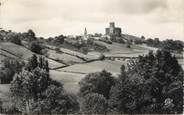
94	103
170	45
10	67
152	84
14	38
34	92
36	47
99	82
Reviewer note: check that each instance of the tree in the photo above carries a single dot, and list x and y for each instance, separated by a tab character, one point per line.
84	50
147	85
172	45
59	39
27	87
35	62
42	63
128	45
6	75
143	38
149	42
156	42
99	82
56	101
10	67
31	35
32	63
14	38
36	47
94	103
36	93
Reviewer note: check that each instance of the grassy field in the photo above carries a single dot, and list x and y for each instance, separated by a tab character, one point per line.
117	48
4	94
68	59
89	56
96	66
70	80
17	51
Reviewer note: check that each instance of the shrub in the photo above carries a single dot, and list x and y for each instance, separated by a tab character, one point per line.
58	50
84	50
101	57
36	47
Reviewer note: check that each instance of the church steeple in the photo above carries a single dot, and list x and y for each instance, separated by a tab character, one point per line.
85	32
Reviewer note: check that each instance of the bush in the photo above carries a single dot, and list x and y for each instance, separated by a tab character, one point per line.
14	38
6	75
58	50
84	50
101	57
36	47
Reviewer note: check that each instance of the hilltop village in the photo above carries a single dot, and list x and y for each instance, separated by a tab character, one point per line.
90	73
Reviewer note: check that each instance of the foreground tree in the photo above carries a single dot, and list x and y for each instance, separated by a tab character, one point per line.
10	67
34	92
152	84
94	103
99	82
35	62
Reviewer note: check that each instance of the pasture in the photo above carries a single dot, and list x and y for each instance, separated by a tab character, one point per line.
16	51
96	66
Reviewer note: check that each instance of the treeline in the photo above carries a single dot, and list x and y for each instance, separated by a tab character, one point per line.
37	44
151	84
32	42
168	44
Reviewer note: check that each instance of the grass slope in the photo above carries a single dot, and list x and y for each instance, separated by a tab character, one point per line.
96	66
65	58
8	48
70	80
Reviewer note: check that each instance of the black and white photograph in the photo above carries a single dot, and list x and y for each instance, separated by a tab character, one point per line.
91	57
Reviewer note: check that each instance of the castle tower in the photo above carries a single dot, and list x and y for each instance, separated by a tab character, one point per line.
112	30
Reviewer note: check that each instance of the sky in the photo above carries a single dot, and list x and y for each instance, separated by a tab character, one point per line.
152	18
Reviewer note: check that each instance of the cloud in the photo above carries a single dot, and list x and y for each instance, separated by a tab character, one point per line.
51	17
135	6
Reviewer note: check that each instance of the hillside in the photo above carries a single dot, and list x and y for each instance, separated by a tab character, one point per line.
15	51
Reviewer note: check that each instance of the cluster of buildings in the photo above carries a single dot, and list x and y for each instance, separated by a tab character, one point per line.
111	32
